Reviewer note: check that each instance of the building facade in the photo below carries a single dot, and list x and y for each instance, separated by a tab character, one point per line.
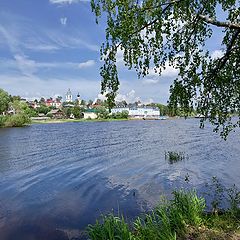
69	97
139	112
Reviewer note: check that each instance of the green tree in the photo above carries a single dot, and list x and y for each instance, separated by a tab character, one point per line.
68	111
158	33
43	109
77	112
4	101
102	112
14	98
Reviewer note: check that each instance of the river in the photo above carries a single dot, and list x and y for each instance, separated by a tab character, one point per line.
57	178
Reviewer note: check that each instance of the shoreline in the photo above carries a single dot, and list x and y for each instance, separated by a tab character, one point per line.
74	120
55	121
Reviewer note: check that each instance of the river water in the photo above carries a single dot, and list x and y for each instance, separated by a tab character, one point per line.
55	179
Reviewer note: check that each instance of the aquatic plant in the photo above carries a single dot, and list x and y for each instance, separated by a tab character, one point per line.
111	227
182	217
166	221
174	157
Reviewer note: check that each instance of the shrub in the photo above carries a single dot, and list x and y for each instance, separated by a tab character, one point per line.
50	115
17	120
2	120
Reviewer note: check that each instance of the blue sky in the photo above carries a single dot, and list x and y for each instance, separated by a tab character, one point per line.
48	46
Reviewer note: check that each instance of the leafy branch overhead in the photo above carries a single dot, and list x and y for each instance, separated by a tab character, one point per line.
157	33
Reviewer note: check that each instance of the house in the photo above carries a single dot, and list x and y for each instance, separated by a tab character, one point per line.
49	102
57	103
139	112
90	114
53	103
57	113
11	111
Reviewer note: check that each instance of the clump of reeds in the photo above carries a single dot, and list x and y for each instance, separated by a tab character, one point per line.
183	217
166	221
173	156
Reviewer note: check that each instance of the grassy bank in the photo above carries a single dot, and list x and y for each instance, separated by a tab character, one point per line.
76	120
183	217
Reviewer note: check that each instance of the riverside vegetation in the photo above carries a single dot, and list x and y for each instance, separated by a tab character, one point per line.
183	217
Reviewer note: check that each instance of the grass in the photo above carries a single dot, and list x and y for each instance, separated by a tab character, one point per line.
174	157
183	217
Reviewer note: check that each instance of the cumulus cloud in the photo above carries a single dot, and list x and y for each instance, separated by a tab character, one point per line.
32	87
129	97
217	54
168	71
87	64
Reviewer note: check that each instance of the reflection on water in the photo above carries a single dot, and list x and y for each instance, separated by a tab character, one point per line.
57	178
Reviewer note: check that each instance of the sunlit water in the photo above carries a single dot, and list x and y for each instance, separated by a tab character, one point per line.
57	178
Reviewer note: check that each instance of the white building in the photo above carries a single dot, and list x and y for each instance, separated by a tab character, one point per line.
69	96
90	114
139	112
78	99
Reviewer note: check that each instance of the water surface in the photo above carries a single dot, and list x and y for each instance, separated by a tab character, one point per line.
57	178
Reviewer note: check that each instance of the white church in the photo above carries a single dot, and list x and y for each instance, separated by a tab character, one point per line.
69	97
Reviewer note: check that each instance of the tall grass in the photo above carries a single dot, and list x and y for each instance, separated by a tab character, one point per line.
182	217
174	157
167	221
110	228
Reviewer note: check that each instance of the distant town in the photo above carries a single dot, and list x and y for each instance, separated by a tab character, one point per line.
74	107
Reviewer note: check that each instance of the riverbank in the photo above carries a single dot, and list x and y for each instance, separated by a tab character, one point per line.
183	217
47	121
75	120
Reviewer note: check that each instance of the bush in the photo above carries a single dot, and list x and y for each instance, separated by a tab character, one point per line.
50	115
17	120
2	121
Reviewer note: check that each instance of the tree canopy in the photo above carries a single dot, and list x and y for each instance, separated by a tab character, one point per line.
154	34
4	101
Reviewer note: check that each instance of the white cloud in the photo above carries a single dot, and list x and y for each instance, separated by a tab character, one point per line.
29	66
150	81
119	57
25	65
72	41
20	36
217	54
32	87
168	71
87	64
67	1
63	21
101	97
41	47
129	97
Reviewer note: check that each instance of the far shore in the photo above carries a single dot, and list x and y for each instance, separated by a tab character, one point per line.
48	121
75	120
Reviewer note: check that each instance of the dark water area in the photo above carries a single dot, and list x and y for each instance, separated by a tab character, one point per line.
57	178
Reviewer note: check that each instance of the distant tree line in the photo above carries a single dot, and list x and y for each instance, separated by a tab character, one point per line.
13	112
